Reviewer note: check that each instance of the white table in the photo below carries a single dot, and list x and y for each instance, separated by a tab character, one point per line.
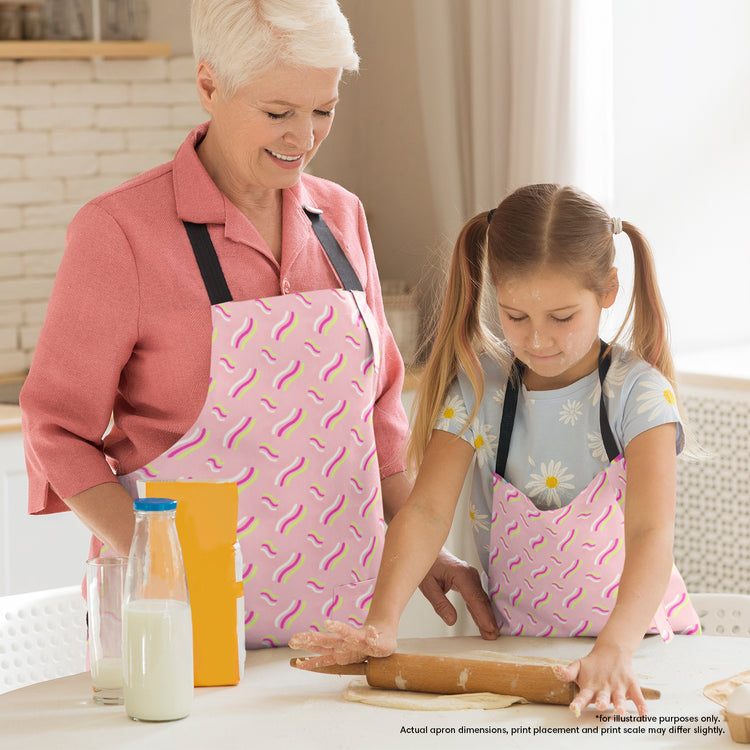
277	706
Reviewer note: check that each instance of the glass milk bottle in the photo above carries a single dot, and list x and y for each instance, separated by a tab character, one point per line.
157	627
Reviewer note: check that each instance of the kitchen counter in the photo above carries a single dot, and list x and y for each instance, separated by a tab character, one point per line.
280	706
725	362
10	413
10	417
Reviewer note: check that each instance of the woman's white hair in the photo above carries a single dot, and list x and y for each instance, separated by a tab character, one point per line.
242	39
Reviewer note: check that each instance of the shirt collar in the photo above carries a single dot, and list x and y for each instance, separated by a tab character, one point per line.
197	198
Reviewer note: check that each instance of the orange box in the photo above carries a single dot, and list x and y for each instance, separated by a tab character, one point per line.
206	522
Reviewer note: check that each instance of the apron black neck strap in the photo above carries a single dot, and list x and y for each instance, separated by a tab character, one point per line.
208	263
610	444
335	254
515	379
510	403
213	276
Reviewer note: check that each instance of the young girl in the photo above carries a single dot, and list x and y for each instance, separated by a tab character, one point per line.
551	416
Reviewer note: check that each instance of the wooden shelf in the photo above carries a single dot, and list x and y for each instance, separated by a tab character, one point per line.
68	50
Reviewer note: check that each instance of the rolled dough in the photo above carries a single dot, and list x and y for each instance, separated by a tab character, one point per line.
719	692
406	700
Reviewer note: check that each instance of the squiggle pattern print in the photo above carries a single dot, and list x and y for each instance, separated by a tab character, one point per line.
557	572
289	419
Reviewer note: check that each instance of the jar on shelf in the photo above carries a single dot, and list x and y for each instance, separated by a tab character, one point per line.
32	19
65	19
10	21
124	19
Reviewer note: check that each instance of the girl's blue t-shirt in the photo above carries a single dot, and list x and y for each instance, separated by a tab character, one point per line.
556	447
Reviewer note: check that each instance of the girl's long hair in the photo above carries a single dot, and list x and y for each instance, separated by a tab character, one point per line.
535	226
460	336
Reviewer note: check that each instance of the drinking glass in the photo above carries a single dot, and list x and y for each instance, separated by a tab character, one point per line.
105	582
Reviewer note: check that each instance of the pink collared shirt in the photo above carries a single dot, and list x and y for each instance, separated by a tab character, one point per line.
128	327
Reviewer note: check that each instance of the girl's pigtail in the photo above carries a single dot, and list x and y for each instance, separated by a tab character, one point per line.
460	335
649	333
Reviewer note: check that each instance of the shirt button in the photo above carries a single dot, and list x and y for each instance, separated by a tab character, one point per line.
286	287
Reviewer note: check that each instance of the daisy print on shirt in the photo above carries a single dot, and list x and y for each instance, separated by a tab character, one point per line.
657	400
551	487
485	444
454	409
571	412
479	521
618	371
596	447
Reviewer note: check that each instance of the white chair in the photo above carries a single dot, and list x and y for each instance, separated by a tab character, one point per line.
723	614
42	636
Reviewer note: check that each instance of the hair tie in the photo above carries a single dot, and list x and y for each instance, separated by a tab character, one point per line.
490	214
616	225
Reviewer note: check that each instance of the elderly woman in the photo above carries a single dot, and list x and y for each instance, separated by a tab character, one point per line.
225	309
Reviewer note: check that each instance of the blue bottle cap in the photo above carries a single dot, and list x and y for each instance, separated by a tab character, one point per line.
154	503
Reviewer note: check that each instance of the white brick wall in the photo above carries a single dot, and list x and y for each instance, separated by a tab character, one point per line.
69	130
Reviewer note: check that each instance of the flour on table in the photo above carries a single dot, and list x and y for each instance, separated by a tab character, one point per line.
359	691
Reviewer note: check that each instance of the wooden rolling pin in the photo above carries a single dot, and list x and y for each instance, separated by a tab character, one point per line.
450	675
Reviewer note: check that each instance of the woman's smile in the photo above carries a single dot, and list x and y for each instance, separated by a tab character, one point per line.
287	161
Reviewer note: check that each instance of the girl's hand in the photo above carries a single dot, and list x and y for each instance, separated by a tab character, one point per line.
605	677
343	644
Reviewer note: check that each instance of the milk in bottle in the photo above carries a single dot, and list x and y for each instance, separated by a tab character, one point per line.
157	625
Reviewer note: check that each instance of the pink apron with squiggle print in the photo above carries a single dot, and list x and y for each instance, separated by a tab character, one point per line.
556	572
288	417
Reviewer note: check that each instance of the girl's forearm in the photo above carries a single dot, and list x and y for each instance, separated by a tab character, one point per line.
420	528
649	534
644	579
412	542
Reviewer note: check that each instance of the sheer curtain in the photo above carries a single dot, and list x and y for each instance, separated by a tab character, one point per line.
512	92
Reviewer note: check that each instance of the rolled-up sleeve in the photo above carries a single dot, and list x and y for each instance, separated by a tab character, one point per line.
87	338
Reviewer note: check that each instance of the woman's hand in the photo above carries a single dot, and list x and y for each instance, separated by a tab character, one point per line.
107	510
448	573
605	677
343	644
